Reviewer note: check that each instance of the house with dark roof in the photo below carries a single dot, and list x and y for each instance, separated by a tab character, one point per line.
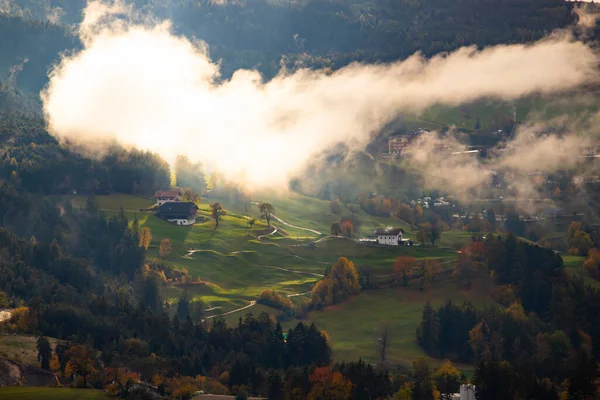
180	212
389	236
165	196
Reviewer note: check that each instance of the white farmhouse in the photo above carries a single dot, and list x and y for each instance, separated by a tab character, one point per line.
165	196
389	236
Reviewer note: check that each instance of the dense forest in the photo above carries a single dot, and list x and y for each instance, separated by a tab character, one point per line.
316	34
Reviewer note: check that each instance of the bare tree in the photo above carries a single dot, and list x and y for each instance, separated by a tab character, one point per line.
217	212
383	340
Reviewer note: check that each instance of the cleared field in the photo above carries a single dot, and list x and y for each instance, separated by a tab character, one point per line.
21	348
34	393
236	263
354	325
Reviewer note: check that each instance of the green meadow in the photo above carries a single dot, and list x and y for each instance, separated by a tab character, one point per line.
235	263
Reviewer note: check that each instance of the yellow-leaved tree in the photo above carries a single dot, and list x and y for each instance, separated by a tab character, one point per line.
145	238
340	282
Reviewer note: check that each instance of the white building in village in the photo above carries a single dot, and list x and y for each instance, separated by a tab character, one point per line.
467	392
166	196
389	236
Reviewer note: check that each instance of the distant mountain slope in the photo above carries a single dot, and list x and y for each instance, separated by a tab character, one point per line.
33	47
313	33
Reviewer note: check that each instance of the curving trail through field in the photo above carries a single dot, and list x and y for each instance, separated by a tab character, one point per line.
298	294
293	271
252	304
294	226
267	234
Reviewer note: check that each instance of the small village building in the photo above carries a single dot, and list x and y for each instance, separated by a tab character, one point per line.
389	236
165	196
397	144
180	213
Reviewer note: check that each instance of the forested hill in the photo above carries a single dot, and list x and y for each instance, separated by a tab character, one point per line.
313	33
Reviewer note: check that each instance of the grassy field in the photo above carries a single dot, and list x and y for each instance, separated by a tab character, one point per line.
35	393
574	266
236	263
354	325
21	348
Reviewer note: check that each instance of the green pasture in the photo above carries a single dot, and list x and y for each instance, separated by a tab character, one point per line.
236	263
354	325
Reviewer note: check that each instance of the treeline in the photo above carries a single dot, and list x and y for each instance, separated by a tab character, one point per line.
33	160
546	342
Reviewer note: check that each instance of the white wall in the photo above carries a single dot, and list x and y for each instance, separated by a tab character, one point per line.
388	239
160	201
183	221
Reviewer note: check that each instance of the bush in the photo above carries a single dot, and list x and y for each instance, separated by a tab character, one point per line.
504	295
271	298
340	283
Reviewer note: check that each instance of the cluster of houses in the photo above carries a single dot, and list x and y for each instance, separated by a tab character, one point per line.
426	201
171	208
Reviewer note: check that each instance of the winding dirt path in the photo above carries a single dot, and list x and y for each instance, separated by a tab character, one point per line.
294	226
267	234
293	271
298	294
252	304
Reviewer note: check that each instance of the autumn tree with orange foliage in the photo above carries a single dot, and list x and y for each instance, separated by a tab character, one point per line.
119	382
592	264
348	228
463	267
386	206
81	362
469	260
340	283
431	269
403	268
329	385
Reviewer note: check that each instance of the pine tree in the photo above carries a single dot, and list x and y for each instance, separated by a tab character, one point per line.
44	352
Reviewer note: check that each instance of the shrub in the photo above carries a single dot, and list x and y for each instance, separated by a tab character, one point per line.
271	298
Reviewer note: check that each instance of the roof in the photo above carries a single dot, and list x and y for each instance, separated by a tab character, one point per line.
177	210
167	193
389	231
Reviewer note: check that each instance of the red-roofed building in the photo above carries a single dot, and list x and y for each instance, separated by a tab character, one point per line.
165	196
